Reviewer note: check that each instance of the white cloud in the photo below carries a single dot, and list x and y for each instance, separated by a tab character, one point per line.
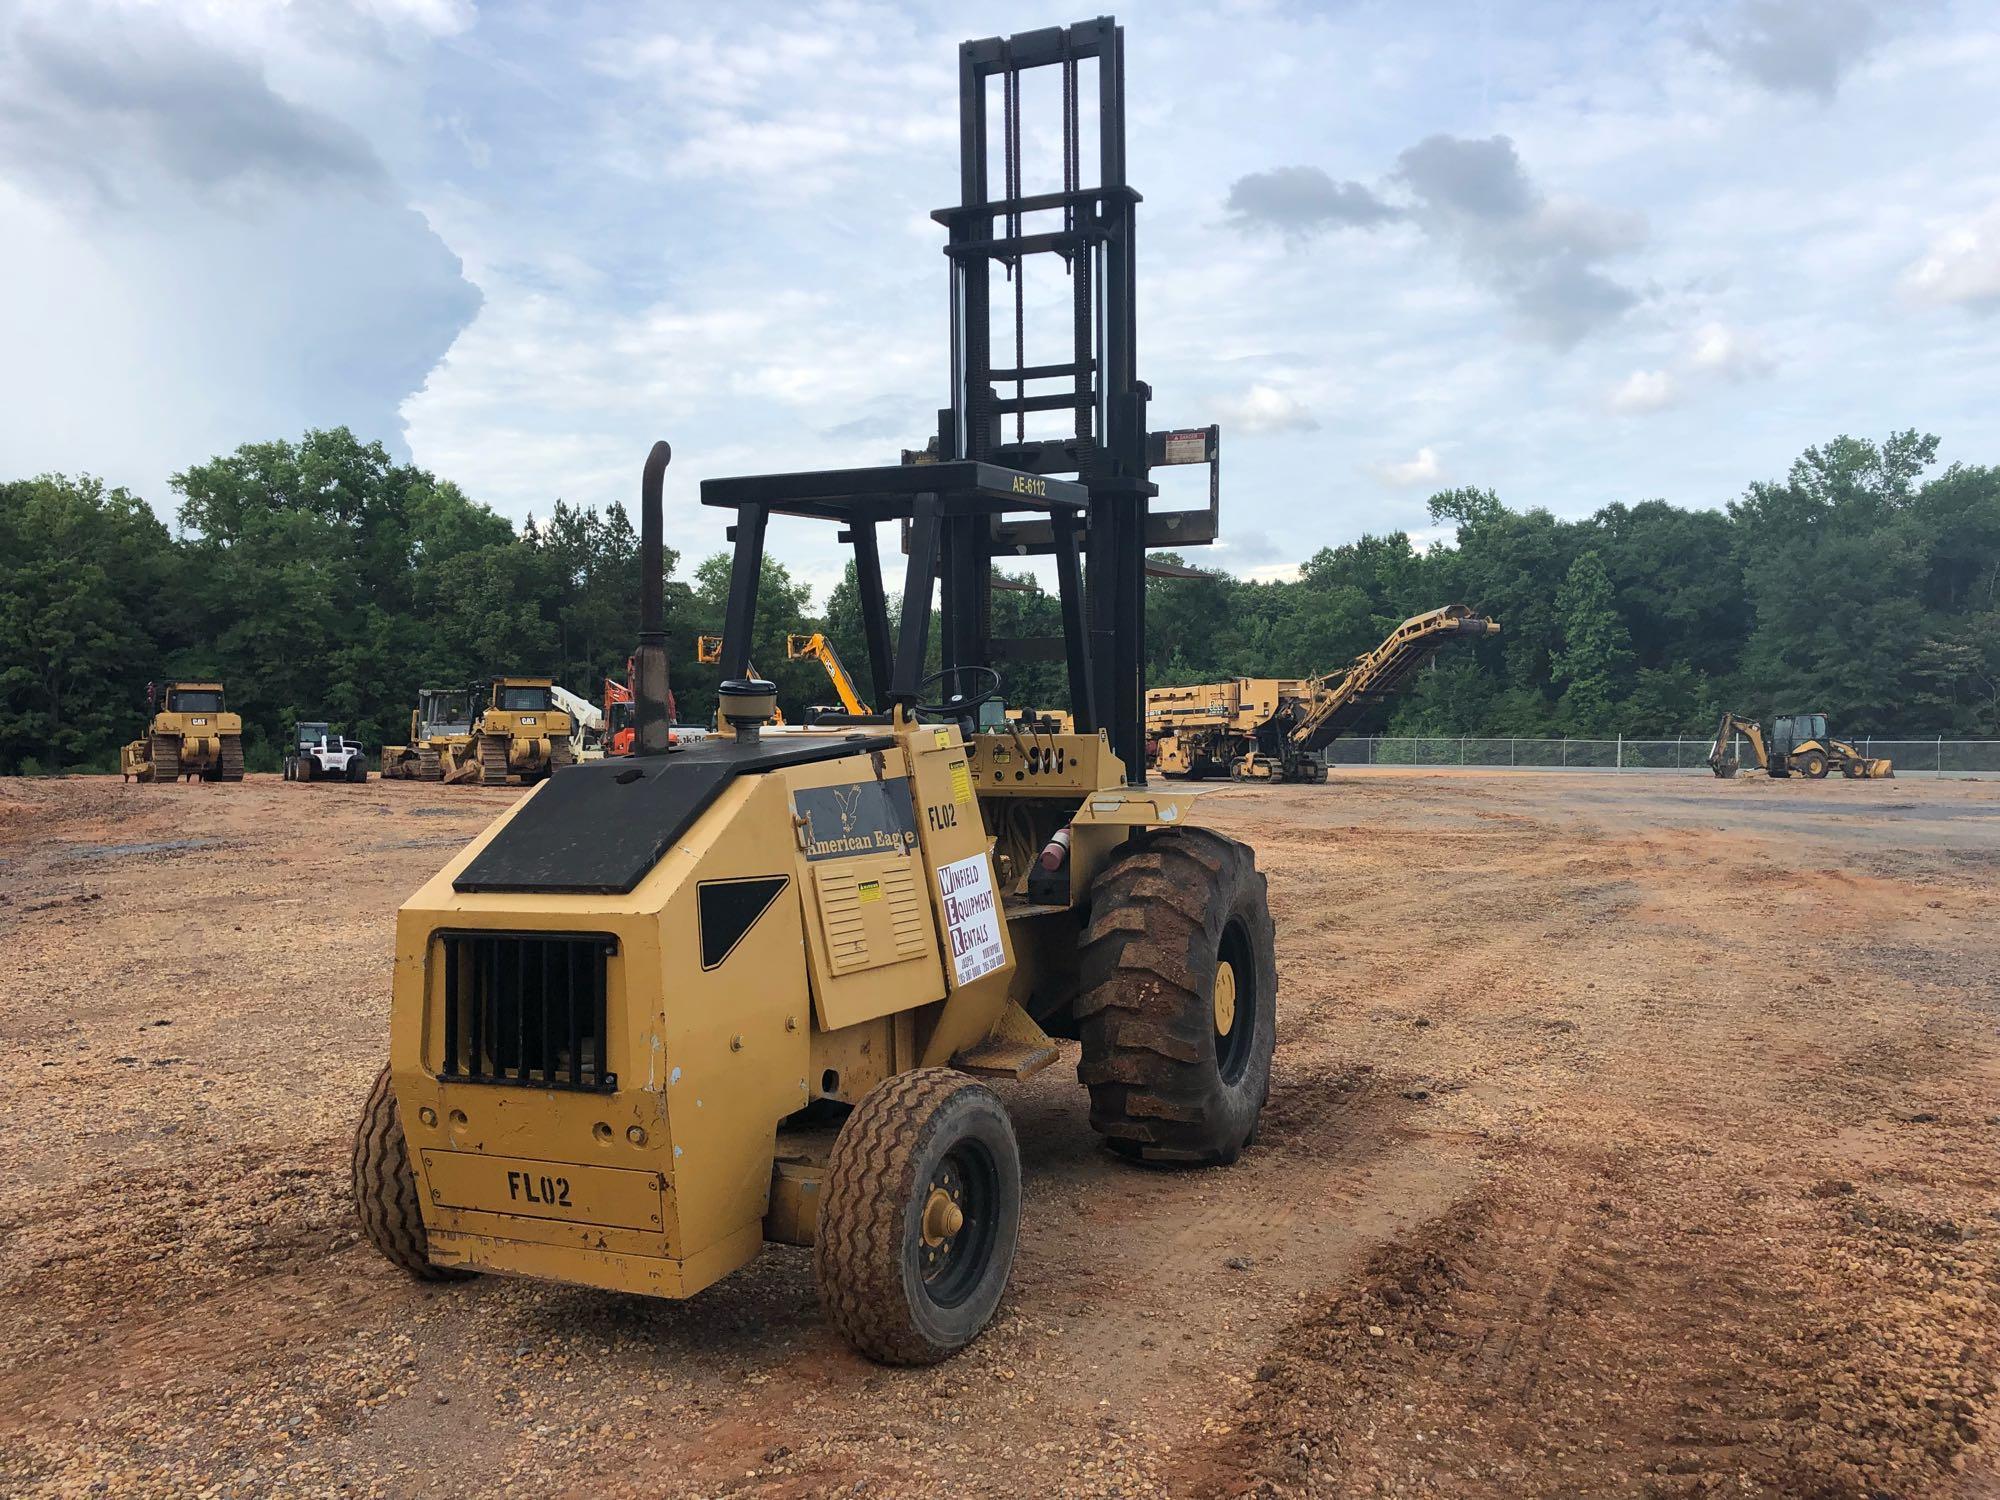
1265	408
1962	266
195	259
1273	573
1644	391
1728	353
1422	467
630	208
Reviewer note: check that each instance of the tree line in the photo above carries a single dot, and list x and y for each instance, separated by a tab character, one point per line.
320	579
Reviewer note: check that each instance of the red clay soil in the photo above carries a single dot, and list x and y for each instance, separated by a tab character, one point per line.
1632	1136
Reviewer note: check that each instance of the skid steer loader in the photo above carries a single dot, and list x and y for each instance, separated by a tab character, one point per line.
676	1004
191	735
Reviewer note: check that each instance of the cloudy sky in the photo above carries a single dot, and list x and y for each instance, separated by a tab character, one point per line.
1575	252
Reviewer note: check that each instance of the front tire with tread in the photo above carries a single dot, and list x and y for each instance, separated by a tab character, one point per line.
385	1189
869	1250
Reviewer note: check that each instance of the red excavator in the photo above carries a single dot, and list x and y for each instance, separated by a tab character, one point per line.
621	724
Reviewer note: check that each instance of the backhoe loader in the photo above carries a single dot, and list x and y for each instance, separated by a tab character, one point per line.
672	1005
1799	742
190	735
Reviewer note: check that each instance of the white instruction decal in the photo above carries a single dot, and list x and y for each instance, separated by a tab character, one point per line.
971	917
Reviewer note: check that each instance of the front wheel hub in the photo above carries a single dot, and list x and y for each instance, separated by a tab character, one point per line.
1225	998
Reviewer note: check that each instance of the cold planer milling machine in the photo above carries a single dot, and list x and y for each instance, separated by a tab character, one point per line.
674	1005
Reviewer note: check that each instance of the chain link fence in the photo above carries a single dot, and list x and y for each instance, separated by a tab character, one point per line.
1931	757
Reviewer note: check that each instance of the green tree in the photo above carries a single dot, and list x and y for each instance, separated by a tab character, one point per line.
87	579
1596	652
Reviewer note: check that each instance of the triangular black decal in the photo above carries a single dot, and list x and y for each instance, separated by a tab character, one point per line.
730	908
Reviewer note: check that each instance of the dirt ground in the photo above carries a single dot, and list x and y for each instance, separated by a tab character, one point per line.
1629	1136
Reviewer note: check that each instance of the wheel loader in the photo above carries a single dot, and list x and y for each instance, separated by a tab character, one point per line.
1799	742
770	987
191	735
440	740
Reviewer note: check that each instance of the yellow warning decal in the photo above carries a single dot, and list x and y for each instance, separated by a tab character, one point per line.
943	740
961	782
869	890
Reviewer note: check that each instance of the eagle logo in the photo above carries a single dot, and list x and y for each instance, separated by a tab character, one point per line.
849	803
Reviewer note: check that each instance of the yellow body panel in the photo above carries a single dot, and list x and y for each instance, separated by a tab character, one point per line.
863	965
707	1062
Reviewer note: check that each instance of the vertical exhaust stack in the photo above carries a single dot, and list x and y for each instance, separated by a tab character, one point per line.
649	675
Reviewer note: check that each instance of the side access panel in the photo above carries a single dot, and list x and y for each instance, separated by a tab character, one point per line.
871	938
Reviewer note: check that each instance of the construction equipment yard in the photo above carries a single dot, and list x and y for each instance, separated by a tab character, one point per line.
1626	1137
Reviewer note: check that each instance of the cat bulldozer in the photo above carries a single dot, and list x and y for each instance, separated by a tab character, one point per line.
771	987
521	733
440	742
1799	742
191	735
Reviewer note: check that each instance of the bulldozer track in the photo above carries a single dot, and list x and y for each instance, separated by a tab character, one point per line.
229	761
430	765
166	758
493	762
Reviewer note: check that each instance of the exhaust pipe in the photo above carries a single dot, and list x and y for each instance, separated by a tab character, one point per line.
649	675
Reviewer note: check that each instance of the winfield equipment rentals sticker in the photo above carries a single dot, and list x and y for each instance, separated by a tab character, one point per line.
971	917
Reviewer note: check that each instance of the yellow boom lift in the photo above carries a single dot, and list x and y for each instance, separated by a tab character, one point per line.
816	647
1799	742
191	734
675	1004
1276	728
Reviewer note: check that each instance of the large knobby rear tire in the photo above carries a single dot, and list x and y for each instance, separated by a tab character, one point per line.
1813	764
1178	998
385	1189
917	1227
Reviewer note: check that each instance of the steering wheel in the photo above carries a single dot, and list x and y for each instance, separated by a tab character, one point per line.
960	703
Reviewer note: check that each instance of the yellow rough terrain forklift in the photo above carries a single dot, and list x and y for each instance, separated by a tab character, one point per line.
191	735
520	732
673	1005
1799	742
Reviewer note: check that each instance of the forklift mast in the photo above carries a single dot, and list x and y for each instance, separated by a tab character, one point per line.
1082	494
